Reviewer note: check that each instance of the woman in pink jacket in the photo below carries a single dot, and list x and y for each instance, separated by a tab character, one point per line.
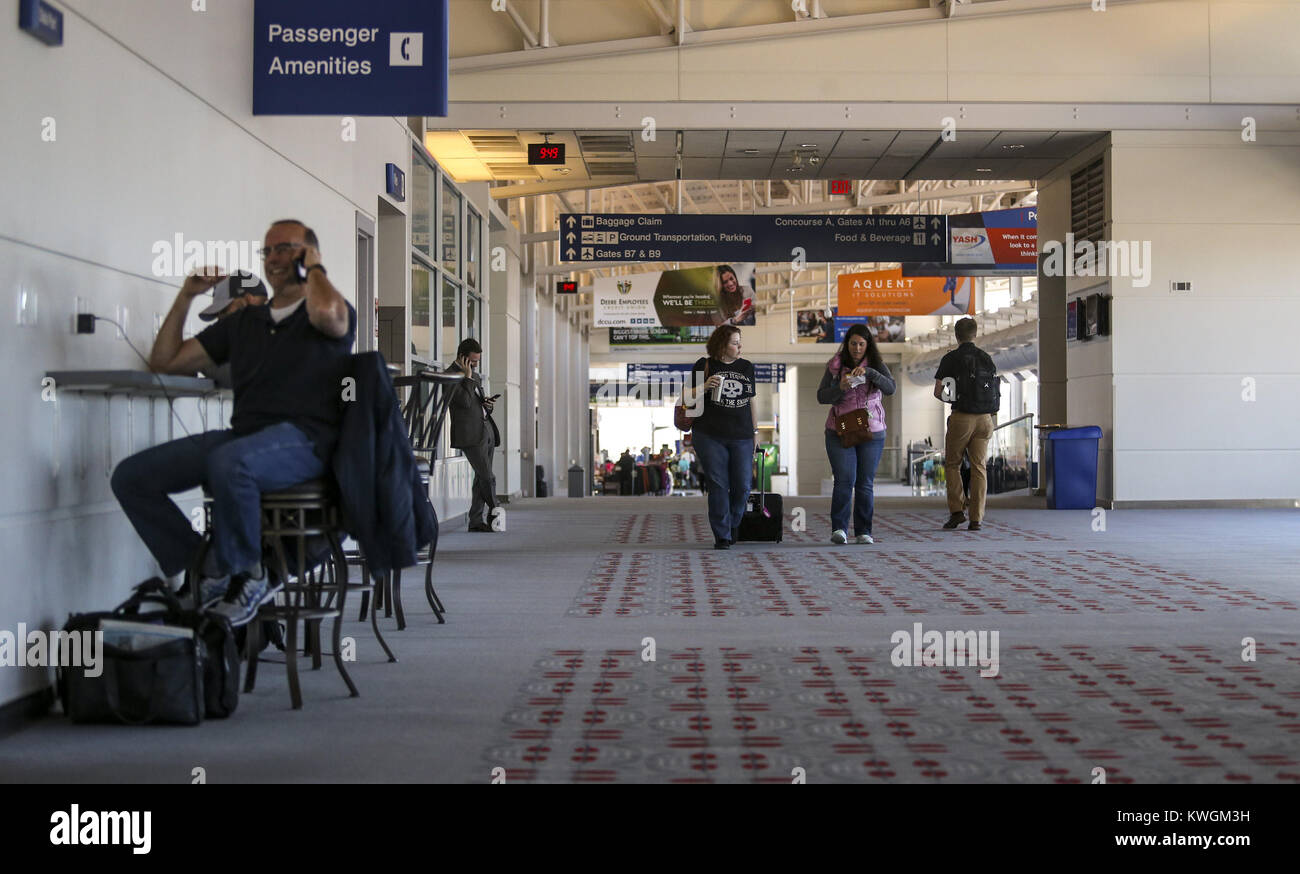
855	379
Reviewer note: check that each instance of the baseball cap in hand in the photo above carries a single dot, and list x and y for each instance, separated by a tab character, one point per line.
237	284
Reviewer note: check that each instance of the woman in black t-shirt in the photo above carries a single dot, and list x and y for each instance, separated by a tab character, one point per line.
724	430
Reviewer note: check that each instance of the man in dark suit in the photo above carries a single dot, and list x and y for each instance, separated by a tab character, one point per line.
473	432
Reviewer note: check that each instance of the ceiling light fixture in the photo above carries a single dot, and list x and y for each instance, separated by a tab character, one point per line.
807	145
749	151
1014	146
983	169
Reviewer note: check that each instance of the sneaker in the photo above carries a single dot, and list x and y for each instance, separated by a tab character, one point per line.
864	538
954	520
211	590
249	594
838	536
973	526
721	543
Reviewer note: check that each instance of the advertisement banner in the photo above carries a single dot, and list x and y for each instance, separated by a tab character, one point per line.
889	293
813	326
657	336
708	296
1003	242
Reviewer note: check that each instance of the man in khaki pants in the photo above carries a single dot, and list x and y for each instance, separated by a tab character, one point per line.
967	379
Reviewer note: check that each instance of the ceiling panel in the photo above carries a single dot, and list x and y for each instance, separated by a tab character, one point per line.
912	142
890	168
700	168
704	143
745	168
656	168
965	168
846	168
863	144
664	143
1036	168
824	139
766	141
967	143
1067	143
1030	139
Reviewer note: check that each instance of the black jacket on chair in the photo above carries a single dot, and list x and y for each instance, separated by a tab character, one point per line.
385	507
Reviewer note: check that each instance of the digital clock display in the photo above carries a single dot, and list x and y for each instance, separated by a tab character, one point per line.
546	153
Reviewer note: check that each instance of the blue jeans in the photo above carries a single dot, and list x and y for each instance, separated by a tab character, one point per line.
235	470
728	467
854	470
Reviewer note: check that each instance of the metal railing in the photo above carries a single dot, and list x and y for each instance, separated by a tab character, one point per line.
1009	465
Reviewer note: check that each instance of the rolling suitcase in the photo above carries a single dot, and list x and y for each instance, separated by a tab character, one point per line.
763	515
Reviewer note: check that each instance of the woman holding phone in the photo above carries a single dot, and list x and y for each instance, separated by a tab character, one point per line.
856	379
724	429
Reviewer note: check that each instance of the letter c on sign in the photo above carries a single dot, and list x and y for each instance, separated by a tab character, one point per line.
406	56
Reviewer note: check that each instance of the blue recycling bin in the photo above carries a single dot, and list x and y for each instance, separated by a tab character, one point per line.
1071	462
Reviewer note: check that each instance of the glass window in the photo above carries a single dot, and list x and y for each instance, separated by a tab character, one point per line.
473	241
450	229
422	335
451	319
422	183
473	309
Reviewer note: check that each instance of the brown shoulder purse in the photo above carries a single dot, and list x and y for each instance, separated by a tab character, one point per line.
682	419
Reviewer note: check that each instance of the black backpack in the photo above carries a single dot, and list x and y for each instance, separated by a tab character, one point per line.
978	388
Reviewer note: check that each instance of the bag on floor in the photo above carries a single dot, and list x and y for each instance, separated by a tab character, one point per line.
167	665
764	511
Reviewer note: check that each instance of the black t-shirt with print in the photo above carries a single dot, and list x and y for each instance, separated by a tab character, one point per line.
729	418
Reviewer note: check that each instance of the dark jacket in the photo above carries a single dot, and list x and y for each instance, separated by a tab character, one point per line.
466	410
386	508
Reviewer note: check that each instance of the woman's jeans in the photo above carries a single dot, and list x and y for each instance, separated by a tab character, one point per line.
728	467
854	470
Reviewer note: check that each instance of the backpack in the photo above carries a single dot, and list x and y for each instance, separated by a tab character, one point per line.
978	388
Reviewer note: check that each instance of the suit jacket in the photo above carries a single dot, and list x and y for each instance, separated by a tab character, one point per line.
468	424
386	508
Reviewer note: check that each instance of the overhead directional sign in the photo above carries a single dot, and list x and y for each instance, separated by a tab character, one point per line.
340	57
722	239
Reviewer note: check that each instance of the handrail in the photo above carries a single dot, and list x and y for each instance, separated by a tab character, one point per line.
1013	421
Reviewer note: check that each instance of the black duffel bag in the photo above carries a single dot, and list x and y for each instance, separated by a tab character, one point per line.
174	681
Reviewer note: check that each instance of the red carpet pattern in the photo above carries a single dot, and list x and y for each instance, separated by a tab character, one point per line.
840	714
893	528
865	580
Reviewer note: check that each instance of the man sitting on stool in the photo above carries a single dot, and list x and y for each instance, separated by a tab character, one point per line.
286	360
473	431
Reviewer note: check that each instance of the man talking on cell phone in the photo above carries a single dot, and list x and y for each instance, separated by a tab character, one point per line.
285	360
473	431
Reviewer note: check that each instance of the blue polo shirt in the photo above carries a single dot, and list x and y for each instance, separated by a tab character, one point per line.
286	372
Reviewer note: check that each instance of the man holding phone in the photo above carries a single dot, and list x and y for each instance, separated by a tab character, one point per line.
473	431
285	358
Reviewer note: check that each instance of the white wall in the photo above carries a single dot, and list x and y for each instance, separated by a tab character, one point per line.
1182	428
154	136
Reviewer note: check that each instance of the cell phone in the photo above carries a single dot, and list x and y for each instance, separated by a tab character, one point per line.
301	267
494	397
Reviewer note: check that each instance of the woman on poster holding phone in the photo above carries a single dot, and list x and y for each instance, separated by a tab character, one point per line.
735	306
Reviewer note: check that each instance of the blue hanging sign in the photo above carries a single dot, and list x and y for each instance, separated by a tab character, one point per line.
340	57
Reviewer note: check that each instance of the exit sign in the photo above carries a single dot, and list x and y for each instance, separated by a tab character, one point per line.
546	153
841	186
566	286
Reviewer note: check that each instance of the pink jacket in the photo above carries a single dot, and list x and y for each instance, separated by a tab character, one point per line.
866	395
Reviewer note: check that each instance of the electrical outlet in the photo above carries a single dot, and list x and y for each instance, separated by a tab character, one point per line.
157	324
1177	286
123	317
26	307
81	307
